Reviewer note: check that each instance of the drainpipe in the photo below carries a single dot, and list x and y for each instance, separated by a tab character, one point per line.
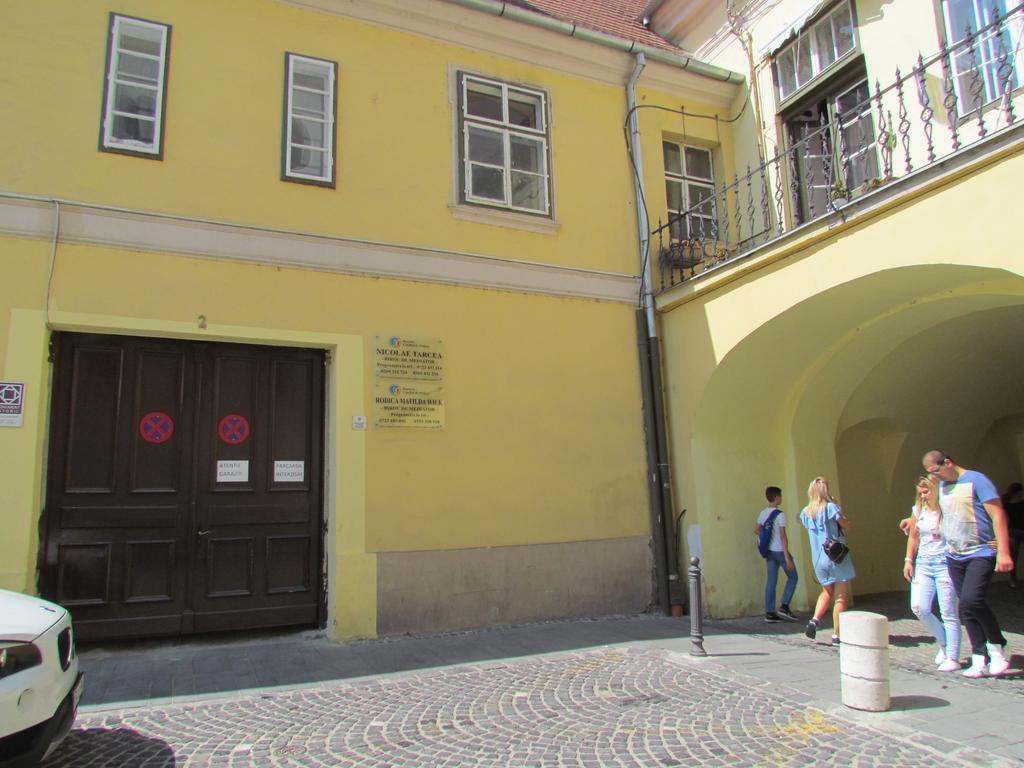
667	585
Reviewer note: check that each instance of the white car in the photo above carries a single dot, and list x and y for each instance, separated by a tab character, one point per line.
39	679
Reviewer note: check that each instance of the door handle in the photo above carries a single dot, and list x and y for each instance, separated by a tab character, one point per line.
201	533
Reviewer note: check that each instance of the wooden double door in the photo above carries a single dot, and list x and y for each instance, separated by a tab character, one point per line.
184	489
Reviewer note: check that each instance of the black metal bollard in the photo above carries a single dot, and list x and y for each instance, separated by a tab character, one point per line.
696	610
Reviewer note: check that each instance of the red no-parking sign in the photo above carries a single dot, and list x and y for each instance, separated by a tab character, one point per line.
156	427
233	429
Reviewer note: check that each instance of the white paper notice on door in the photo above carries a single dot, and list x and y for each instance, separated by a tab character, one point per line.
289	471
232	471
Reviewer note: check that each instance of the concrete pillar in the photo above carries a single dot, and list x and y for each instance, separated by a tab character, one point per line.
864	660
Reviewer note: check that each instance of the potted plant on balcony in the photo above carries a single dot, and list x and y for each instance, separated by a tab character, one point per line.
871	185
840	193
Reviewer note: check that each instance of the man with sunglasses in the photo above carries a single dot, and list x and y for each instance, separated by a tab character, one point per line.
972	517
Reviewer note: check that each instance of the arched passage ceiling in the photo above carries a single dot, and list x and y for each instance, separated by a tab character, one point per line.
970	367
812	357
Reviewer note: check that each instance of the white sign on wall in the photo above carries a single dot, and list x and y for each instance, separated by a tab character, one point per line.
12	403
232	471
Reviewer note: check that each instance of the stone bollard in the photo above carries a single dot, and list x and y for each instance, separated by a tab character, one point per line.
864	660
696	610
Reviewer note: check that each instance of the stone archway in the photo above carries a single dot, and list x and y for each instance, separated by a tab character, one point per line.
843	384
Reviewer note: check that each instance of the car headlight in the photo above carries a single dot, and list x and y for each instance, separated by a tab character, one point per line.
65	648
17	657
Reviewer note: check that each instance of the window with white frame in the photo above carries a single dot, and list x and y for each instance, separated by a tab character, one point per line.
976	67
690	191
309	135
504	145
134	95
815	49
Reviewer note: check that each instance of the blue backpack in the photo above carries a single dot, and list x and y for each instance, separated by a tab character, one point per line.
765	537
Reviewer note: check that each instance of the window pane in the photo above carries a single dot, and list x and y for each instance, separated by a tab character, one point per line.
308	161
698	163
525	109
308	104
487	182
306	76
678	228
674	193
137	101
483	100
486	147
673	158
786	71
133	129
701	227
959	16
308	133
842	26
137	69
700	199
854	101
527	154
140	39
804	70
825	44
528	191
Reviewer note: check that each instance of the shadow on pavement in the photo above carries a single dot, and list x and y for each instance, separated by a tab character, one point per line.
905	703
131	748
910	641
126	672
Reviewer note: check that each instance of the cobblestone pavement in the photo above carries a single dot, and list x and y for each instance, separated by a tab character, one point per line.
611	706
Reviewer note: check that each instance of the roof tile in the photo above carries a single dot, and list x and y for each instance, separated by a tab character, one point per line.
619	18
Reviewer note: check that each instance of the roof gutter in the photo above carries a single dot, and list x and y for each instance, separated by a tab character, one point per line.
517	13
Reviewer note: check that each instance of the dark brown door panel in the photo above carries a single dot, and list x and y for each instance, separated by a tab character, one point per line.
184	486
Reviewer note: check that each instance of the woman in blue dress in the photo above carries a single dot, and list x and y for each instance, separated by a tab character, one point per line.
823	519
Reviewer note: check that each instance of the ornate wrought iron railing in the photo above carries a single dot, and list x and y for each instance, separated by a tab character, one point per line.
953	99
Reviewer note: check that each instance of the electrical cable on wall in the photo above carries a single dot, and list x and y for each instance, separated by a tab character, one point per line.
53	262
636	171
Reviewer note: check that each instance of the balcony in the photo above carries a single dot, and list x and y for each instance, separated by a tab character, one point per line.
870	144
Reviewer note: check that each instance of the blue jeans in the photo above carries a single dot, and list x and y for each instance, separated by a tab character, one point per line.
776	560
931	577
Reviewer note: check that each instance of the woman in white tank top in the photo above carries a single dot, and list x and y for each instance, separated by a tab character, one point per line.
925	568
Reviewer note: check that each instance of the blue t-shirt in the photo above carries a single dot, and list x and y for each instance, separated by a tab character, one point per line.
965	521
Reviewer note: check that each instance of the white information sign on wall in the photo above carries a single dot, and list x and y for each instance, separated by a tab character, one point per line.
232	471
289	471
12	403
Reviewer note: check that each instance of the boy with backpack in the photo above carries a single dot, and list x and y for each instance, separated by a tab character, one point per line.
773	545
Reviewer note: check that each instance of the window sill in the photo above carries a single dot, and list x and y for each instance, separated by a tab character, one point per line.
133	150
500	218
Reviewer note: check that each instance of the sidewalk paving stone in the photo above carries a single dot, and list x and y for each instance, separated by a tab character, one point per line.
633	705
615	691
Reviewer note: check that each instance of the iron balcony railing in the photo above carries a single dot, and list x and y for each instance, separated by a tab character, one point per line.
862	141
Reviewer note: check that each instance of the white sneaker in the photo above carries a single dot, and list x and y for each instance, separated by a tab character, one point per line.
978	667
998	663
949	665
940	656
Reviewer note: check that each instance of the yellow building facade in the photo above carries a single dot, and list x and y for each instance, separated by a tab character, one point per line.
847	339
211	204
347	295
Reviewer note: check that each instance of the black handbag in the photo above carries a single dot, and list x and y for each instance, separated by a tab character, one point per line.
835	549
